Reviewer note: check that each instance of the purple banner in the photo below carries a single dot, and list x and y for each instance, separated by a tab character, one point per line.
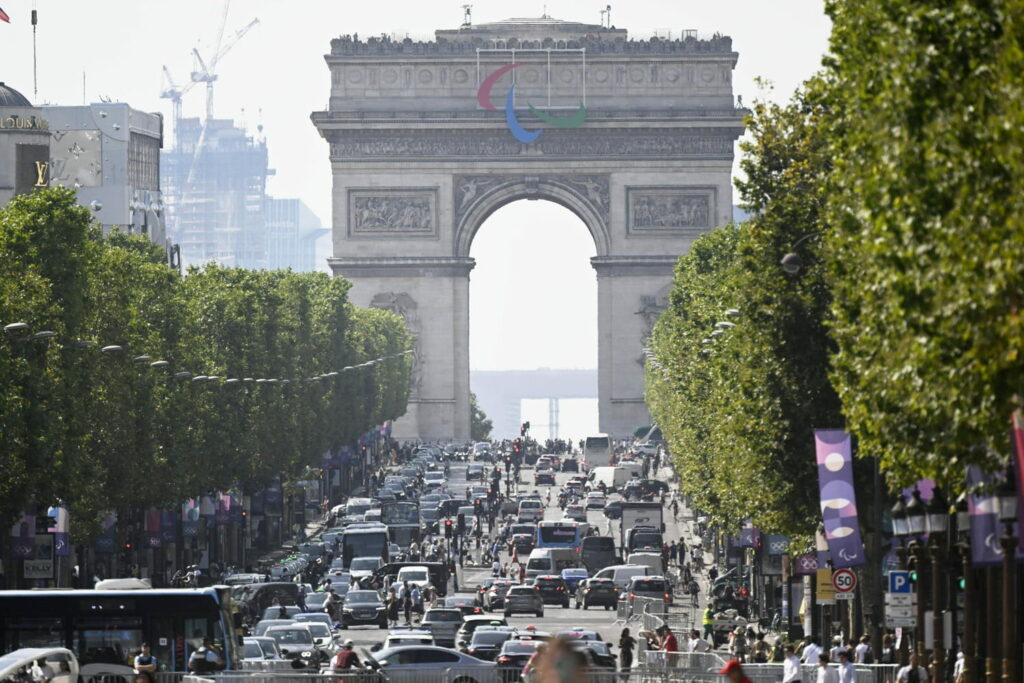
168	527
838	499
750	535
805	564
984	513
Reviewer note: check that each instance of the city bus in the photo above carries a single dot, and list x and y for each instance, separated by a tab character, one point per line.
597	451
368	539
403	522
109	626
559	534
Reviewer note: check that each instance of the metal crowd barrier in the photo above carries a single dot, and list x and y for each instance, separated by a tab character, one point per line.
687	661
354	676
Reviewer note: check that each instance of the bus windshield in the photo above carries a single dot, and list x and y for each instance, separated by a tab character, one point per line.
558	535
364	543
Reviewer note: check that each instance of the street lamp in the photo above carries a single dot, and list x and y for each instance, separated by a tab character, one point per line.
791	262
900	526
963	531
916	517
937	515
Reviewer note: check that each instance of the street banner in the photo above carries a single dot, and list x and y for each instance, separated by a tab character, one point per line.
22	536
1018	468
838	499
168	527
190	518
61	538
207	506
777	544
984	516
806	564
153	520
749	535
106	542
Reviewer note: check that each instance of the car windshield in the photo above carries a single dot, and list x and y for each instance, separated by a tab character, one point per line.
429	514
600	543
362	597
319	630
291	636
417	575
365	563
530	504
520	647
539	563
650	586
490	637
600	583
520	590
443	615
253	651
549	582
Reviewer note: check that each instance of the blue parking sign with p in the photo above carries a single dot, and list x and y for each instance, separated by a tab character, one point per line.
899	582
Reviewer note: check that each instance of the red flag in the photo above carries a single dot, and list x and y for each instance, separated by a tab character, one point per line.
3	16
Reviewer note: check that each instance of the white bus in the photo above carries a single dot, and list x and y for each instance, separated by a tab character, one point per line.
597	451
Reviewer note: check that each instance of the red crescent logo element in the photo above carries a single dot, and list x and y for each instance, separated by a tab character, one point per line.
483	95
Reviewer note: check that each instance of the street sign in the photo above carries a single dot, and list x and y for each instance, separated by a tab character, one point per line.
844	581
899	582
900	599
895	622
904	612
826	594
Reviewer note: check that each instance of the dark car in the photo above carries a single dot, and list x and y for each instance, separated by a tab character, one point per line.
494	598
596	593
552	589
543	477
487	641
598	653
513	657
613	510
474	472
437	571
363	608
523	543
464	603
571	465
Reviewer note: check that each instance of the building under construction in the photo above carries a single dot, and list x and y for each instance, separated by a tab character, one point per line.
216	197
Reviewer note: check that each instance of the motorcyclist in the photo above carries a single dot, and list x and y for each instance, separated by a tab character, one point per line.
346	658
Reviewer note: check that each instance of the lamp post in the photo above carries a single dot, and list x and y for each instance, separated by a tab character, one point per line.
916	523
963	531
937	513
791	262
901	529
1007	499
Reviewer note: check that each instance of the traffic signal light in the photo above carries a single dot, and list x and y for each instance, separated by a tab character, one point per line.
462	523
522	429
447	528
477	505
127	545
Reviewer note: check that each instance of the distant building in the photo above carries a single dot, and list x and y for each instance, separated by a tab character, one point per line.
110	154
215	181
292	232
24	145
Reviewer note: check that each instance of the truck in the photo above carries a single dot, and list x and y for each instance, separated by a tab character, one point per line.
597	451
639	514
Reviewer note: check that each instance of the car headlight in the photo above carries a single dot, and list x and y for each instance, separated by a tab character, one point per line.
307	654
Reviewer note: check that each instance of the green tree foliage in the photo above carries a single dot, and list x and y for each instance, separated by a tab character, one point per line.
740	409
103	431
927	214
479	425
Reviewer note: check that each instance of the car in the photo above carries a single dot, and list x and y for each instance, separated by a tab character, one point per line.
363	567
482	589
573	576
462	602
471	623
266	624
415	575
474	472
444	623
323	635
657	587
295	641
514	655
613	510
577	513
364	608
595	500
530	510
425	664
649	448
579	634
545	476
552	589
520	599
281	612
495	595
599	654
407	636
487	641
570	465
597	592
523	543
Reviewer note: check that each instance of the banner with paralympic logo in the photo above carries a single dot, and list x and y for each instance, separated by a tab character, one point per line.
838	499
520	132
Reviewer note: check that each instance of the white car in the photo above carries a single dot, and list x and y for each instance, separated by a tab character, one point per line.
364	567
595	501
416	576
422	664
399	638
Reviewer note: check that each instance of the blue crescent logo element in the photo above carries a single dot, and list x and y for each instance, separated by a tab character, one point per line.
518	132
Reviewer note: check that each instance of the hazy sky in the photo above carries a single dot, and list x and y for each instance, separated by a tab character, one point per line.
277	75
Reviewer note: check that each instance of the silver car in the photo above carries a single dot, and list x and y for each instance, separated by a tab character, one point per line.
520	599
444	624
422	664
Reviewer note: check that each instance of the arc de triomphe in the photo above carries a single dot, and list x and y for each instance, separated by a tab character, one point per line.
429	139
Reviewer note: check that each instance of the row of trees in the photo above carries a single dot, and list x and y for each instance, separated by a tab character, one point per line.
894	175
101	429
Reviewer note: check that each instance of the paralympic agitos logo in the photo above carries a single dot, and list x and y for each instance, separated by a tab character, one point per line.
483	96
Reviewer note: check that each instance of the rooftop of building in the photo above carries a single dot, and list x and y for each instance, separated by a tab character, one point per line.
9	97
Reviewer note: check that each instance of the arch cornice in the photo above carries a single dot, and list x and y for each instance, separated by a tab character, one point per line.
478	196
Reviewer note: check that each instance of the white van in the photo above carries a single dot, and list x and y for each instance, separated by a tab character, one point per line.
620	574
530	510
613	478
634	467
544	561
654	561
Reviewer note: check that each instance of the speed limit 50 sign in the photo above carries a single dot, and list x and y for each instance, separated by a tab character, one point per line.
844	581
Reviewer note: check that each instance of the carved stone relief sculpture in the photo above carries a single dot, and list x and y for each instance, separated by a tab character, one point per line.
393	212
666	210
404	306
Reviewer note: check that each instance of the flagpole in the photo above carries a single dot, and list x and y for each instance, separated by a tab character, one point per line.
35	76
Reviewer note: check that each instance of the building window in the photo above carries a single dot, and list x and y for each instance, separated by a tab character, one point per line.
144	162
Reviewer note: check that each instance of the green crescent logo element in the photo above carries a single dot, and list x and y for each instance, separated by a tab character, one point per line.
577	119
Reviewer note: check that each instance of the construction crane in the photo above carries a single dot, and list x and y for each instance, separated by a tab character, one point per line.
206	72
171	91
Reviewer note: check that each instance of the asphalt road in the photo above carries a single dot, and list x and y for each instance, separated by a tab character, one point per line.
555	618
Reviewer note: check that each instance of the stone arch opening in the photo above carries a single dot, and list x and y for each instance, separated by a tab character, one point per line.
479	197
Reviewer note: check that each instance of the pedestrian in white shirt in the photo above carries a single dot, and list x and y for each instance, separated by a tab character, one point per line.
698	644
847	671
913	672
826	674
837	647
811	651
863	652
791	667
